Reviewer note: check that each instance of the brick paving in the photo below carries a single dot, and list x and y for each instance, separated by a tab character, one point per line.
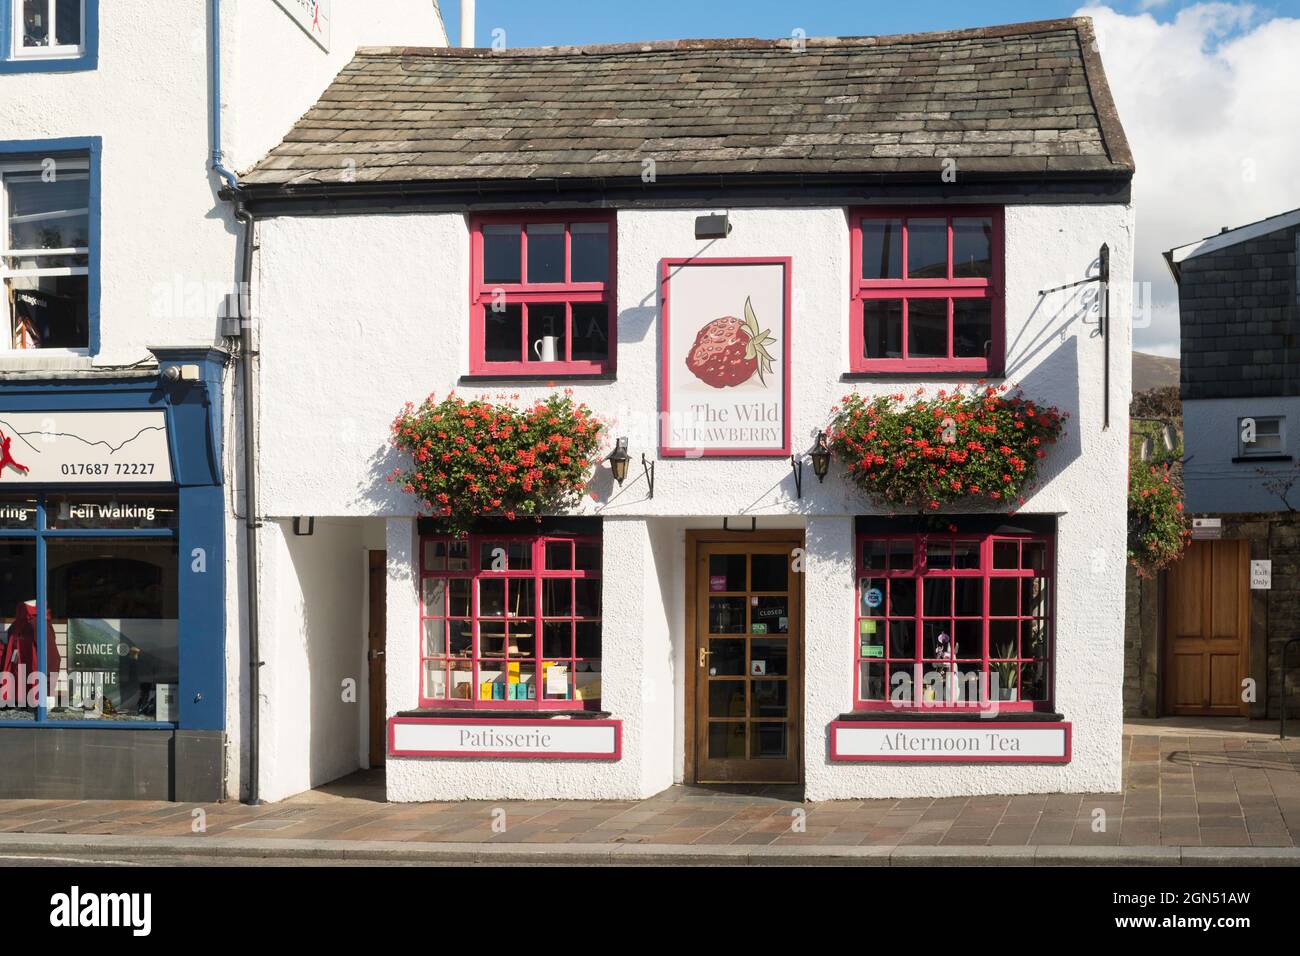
1239	790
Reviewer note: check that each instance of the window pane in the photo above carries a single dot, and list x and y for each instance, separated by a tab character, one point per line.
927	328
1006	554
557	639
491	597
590	331
769	738
435	680
435	638
1003	636
972	248
871	597
36	23
435	597
726	615
882	328
546	336
502	333
968	597
49	312
882	248
557	597
726	740
769	572
927	248
458	597
519	592
519	555
871	677
726	572
937	597
435	555
873	555
67	27
972	328
589	247
501	250
113	613
17	604
902	597
1002	596
546	252
460	638
900	555
49	215
969	636
586	555
586	597
1035	597
559	555
938	555
966	554
588	640
774	656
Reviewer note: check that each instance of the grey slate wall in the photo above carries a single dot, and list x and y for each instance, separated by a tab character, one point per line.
1240	320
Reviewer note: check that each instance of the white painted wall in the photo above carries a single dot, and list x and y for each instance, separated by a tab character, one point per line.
313	639
1212	481
377	316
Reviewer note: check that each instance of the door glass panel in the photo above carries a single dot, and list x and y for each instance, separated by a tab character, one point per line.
727	698
769	572
768	657
769	698
726	740
770	615
726	572
727	615
768	739
726	657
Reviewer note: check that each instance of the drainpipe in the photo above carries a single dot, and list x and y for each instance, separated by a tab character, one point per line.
243	281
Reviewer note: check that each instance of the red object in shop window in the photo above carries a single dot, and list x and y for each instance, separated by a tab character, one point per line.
935	610
20	651
542	294
927	290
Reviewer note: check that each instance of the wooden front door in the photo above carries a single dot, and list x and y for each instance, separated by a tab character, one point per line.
746	660
1207	625
376	637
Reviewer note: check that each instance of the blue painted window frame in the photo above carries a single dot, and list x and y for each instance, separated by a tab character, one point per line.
42	535
91	147
87	60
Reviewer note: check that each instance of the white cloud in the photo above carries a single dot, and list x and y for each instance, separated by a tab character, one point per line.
1209	103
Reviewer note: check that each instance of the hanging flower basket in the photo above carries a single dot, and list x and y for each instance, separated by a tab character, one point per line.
1157	527
960	446
472	459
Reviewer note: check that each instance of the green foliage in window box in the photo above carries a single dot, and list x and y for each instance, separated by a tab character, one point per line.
472	459
985	443
1157	527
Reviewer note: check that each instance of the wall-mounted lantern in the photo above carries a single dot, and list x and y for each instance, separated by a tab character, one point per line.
618	459
821	457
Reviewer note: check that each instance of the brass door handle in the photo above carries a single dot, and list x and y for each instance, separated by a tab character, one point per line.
704	655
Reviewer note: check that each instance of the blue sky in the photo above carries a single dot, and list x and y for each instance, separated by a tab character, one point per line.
551	22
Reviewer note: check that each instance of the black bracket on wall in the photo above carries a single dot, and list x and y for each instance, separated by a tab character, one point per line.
1103	321
753	526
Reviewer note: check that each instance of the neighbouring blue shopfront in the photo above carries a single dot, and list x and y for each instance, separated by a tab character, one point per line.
112	582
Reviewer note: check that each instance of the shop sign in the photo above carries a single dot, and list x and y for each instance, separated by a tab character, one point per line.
1261	575
1207	529
725	376
957	741
313	16
558	739
48	448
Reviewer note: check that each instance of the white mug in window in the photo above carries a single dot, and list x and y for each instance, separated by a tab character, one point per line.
544	348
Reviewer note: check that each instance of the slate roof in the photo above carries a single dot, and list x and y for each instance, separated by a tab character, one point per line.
1026	100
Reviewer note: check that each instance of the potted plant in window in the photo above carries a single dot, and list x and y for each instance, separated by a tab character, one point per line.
1006	672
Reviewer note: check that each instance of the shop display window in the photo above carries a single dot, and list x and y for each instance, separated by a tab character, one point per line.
542	297
953	621
97	638
510	622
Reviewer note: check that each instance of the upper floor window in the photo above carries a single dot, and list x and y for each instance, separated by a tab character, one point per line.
542	296
45	251
49	28
510	622
927	290
1261	436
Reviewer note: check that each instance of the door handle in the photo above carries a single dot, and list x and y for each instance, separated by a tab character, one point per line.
704	656
374	654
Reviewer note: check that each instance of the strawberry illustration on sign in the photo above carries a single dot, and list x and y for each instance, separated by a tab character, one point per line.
728	352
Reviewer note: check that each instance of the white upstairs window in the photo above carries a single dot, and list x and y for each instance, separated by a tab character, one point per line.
1260	436
48	28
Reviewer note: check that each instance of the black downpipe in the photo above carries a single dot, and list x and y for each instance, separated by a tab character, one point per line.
248	395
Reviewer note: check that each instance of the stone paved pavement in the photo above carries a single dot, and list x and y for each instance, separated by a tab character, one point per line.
1201	790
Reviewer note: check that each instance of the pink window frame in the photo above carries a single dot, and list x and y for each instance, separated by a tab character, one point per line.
524	293
947	288
986	572
536	573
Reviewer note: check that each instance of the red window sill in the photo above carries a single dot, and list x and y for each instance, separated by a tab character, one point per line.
489	378
977	367
502	709
1028	710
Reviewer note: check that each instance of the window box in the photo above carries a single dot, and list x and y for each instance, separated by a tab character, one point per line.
927	291
954	621
510	622
542	295
45	36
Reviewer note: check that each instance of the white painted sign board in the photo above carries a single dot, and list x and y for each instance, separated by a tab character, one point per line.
478	737
113	447
950	742
313	16
1261	575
